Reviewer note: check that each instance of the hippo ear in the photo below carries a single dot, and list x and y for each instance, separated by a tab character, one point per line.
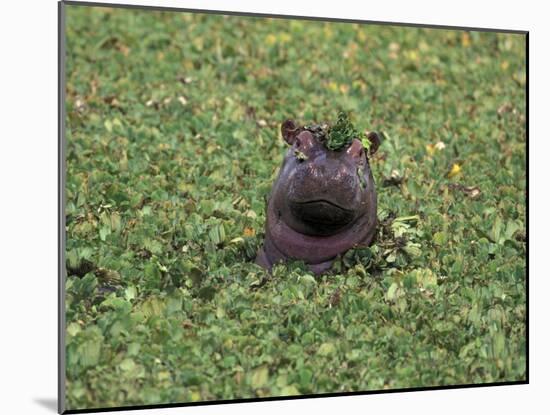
375	140
355	149
289	130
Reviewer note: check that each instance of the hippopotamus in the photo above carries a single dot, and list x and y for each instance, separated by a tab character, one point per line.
322	203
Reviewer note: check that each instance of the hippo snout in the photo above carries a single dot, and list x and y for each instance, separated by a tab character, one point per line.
338	185
320	217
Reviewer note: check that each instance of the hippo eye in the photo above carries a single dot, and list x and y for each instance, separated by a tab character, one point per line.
298	142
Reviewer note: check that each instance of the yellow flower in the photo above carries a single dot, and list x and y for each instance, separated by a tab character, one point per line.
430	148
333	86
271	39
413	55
454	170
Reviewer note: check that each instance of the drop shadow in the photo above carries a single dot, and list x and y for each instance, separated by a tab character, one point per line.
48	403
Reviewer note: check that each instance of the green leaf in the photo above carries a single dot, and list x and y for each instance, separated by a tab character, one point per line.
425	278
413	249
130	293
90	352
104	231
439	238
326	349
259	377
308	279
229	362
73	329
173	305
108	125
305	376
495	231
392	291
133	349
499	345
511	228
217	234
289	390
127	365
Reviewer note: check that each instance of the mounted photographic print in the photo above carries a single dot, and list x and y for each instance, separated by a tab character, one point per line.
273	207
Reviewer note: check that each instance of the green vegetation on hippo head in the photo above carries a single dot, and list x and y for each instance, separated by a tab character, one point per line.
342	133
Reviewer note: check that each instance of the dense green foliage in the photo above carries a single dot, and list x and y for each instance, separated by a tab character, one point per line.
172	145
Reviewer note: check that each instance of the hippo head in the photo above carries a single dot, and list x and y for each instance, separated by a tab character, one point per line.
322	192
323	201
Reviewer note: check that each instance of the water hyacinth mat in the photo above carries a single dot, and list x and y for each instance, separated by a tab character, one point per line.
172	144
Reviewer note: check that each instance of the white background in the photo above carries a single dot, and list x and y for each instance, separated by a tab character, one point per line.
28	218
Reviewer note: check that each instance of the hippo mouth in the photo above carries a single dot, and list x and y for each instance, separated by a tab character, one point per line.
321	217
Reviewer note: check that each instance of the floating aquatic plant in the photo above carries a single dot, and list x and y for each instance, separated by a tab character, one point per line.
342	133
